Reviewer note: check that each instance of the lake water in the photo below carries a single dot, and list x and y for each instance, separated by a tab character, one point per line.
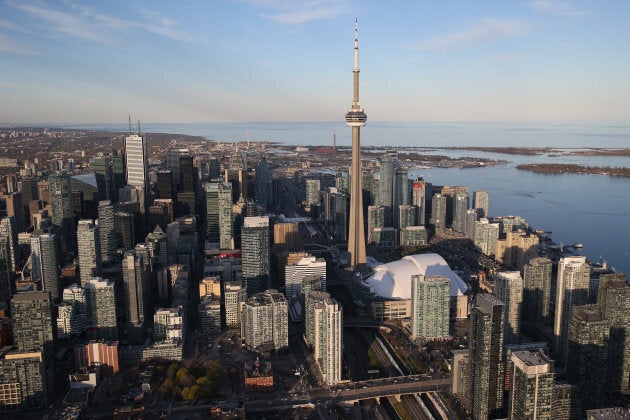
590	209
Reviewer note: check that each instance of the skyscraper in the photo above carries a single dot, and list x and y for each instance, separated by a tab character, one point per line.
486	357
172	164
572	288
219	214
531	393
62	212
187	174
312	192
109	238
438	211
6	274
135	294
587	355
356	119
9	230
537	291
101	307
508	288
234	295
32	321
387	172
89	250
265	321
419	199
255	252
327	346
376	219
136	160
430	306
480	202
613	300
44	263
263	180
460	206
165	185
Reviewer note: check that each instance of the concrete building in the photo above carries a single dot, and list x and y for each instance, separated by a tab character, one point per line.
286	237
264	322
296	272
414	236
327	339
44	263
486	357
100	300
461	375
508	288
486	236
209	315
376	219
531	394
430	307
235	294
89	250
210	286
168	323
312	193
136	160
517	248
572	288
25	380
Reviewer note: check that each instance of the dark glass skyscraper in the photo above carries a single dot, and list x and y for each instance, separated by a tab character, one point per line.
255	252
486	357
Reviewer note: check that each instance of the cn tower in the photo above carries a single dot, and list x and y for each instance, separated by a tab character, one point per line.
356	119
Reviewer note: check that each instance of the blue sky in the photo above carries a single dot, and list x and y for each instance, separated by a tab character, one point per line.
288	60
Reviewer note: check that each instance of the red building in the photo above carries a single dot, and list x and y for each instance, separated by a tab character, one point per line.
97	353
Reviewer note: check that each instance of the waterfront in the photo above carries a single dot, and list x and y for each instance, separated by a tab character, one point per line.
590	209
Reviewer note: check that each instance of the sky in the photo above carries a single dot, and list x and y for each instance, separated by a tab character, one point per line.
289	60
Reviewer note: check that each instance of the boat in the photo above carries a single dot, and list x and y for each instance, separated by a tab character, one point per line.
578	246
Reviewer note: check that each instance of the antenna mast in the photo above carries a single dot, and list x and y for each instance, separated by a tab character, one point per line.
138	127
129	123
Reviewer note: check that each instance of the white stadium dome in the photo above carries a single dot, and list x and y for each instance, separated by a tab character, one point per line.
393	280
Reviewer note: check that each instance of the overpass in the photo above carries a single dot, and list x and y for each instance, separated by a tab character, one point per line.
349	393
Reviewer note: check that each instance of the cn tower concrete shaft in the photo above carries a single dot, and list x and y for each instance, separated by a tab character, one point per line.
356	118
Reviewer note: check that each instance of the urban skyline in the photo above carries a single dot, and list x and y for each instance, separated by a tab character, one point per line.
541	60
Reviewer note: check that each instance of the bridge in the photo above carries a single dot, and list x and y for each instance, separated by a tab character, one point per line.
349	393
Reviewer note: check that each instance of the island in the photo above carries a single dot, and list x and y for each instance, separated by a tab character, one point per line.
566	168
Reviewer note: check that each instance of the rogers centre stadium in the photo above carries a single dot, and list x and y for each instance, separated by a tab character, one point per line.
393	280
